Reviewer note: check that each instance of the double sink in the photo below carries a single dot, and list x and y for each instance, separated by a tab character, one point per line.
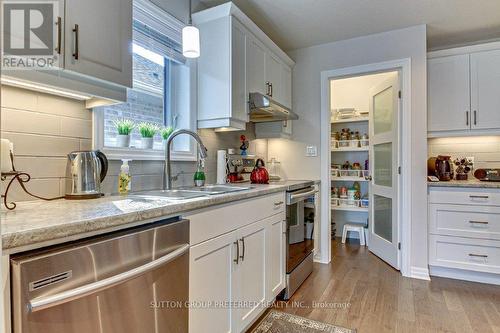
185	193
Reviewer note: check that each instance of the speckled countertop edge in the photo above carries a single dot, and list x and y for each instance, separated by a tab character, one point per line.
38	224
471	183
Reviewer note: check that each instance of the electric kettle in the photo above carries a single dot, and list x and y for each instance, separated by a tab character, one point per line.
84	173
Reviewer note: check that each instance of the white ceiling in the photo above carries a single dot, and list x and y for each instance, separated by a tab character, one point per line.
295	24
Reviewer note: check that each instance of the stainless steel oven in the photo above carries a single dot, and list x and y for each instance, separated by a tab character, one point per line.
300	215
130	281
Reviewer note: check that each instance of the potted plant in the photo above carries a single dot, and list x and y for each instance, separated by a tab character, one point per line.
124	128
148	131
165	133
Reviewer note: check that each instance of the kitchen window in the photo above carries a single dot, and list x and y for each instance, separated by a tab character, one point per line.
160	92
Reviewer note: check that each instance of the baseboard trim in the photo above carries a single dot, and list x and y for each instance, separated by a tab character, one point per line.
420	273
462	274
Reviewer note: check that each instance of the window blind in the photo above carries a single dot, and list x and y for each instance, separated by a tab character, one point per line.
157	30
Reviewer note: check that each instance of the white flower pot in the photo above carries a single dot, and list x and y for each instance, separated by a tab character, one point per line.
123	140
147	143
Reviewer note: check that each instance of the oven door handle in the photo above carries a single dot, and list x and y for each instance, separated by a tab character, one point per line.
45	302
298	196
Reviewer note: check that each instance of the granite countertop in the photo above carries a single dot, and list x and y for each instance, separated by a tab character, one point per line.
471	183
38	224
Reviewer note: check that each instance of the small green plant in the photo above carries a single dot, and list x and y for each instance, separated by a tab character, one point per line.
124	126
148	130
166	131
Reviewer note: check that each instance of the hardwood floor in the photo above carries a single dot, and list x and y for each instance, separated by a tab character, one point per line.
361	291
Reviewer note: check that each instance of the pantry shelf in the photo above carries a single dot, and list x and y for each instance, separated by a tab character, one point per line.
349	179
350	149
350	120
350	209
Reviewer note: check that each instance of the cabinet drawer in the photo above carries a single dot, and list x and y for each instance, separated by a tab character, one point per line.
462	253
213	221
471	196
465	221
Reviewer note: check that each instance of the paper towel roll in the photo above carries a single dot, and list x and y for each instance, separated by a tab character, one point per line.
221	167
6	147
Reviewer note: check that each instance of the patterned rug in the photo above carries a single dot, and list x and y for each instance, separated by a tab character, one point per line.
280	322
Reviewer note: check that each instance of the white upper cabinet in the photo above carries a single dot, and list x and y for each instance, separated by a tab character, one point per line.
98	37
256	66
236	59
485	89
464	90
448	93
286	81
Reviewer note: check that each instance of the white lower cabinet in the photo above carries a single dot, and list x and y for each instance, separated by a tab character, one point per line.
277	258
464	233
233	275
249	283
211	275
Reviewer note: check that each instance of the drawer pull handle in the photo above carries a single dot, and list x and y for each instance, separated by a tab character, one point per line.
478	222
478	196
478	255
278	203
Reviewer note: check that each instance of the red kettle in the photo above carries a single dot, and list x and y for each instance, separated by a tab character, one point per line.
259	173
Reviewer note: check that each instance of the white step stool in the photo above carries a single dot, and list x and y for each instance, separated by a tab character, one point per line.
359	228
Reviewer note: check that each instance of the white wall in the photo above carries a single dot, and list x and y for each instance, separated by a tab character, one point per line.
311	61
353	92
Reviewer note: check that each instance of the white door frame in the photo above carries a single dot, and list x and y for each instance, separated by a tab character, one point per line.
404	65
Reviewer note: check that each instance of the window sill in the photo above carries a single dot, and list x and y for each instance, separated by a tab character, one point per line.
116	153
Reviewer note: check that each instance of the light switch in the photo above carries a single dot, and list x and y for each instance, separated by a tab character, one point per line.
311	151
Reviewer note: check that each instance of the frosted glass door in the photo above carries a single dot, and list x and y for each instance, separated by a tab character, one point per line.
384	228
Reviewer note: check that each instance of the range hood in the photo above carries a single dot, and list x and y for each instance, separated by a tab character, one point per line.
263	109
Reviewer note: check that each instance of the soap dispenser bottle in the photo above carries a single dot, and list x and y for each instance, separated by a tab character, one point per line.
199	176
124	178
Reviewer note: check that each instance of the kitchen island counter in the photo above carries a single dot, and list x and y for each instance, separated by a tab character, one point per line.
471	183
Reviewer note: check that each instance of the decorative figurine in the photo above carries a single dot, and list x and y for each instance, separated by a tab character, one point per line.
244	145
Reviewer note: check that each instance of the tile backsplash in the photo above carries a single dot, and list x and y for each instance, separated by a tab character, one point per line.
484	149
44	128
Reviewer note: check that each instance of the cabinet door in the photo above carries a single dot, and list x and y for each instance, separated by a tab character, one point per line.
211	276
448	93
250	280
286	79
238	68
255	66
101	45
276	258
485	89
273	76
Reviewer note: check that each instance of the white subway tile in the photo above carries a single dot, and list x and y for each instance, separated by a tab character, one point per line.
62	106
77	128
41	145
30	122
42	167
16	98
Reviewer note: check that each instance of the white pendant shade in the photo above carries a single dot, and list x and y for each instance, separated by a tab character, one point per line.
190	42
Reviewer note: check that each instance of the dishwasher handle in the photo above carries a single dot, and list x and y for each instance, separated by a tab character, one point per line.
45	302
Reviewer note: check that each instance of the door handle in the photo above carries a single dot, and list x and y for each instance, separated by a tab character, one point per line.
45	302
475	117
59	34
478	196
478	222
76	30
478	255
237	260
467	118
271	86
243	244
268	85
279	203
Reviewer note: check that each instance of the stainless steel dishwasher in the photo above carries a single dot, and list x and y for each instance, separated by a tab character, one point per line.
130	281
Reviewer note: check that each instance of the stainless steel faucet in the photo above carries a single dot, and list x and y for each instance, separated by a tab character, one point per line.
167	178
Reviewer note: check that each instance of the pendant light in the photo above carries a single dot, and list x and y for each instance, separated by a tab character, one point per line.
190	39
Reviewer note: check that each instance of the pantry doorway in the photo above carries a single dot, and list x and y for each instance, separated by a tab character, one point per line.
364	160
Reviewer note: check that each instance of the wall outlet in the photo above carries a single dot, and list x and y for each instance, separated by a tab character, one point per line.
311	151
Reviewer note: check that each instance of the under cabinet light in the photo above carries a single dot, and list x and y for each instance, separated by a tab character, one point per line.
42	88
